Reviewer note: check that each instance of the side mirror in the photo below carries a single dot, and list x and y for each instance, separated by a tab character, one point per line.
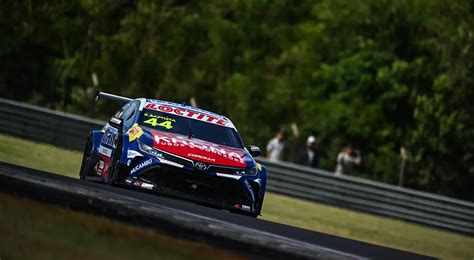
254	150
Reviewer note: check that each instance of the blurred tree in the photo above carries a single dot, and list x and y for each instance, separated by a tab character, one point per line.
379	74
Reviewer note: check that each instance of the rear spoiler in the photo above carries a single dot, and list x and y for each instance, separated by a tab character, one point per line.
111	97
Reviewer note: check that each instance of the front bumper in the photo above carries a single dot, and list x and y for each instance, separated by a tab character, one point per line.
234	194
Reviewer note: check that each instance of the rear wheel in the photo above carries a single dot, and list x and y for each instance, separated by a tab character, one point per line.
87	163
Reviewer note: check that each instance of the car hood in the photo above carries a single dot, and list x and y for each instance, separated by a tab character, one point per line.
200	150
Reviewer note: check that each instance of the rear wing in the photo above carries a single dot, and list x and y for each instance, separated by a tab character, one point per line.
111	97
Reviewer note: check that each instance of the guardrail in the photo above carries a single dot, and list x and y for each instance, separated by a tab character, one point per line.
70	131
45	125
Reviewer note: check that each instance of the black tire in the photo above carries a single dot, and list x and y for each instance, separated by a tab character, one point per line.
114	166
258	207
87	164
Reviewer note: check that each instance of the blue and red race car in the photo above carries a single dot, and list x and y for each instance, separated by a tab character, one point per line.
177	150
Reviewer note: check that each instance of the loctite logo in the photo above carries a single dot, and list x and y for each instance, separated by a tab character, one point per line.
188	113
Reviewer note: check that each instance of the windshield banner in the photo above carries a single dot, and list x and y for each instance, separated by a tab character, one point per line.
180	111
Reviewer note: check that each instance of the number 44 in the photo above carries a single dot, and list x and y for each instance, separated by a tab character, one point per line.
154	122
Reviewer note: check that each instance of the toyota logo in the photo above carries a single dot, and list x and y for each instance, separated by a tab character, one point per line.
200	166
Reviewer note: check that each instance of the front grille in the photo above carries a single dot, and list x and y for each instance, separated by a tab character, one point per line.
196	183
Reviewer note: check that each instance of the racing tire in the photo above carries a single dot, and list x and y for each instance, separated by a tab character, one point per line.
115	171
87	162
258	207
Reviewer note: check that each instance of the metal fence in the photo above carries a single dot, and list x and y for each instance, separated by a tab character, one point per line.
70	131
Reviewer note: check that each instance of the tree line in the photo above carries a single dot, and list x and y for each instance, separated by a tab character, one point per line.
379	74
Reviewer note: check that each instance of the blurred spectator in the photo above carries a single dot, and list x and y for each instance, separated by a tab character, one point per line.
276	146
346	159
309	156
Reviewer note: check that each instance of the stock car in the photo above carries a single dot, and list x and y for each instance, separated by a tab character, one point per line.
178	150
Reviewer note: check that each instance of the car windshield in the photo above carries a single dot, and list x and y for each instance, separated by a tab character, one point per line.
190	127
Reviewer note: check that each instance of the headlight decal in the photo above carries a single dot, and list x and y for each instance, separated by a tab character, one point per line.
236	177
149	150
246	172
152	151
132	154
164	161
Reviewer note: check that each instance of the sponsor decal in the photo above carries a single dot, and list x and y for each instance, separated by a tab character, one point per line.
109	136
100	167
105	151
134	132
164	118
198	150
141	166
201	157
132	154
143	185
259	166
246	208
147	186
157	120
243	207
194	114
247	184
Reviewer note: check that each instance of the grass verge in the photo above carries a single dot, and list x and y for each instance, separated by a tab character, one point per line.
40	156
282	209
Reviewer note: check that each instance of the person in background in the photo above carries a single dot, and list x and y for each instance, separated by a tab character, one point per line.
276	146
309	156
346	159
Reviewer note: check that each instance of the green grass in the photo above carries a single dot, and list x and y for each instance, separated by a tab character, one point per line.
282	209
32	230
40	156
368	228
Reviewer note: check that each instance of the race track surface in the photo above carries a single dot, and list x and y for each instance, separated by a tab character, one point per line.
338	244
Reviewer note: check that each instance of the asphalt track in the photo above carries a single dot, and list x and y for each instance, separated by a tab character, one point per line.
353	249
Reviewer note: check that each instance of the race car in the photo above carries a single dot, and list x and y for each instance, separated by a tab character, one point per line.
178	150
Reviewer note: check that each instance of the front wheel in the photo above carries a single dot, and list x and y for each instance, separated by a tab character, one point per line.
87	164
258	207
116	170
